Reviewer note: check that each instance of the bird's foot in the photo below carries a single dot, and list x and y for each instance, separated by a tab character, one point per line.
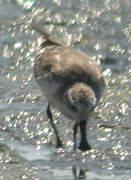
59	144
85	147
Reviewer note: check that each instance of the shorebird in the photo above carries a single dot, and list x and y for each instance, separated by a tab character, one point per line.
71	82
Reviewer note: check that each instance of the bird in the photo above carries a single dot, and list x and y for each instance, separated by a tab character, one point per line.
71	81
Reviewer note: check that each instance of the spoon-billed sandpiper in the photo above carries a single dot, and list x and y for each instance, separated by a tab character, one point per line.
71	81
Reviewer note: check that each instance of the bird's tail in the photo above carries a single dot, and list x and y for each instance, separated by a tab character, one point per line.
49	40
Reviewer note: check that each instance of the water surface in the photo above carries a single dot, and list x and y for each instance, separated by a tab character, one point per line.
27	142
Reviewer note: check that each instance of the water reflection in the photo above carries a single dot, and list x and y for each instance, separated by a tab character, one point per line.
78	173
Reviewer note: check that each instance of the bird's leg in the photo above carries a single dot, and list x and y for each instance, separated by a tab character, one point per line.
58	141
74	135
84	145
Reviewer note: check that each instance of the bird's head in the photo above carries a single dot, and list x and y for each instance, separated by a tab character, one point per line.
82	100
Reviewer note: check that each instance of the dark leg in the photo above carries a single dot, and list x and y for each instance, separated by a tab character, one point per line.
75	132
84	145
58	141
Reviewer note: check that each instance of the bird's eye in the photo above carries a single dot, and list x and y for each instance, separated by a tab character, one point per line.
73	108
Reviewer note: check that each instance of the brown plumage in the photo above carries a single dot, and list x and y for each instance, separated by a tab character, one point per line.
71	81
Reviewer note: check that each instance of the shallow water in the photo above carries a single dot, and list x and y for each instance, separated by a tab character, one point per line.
101	29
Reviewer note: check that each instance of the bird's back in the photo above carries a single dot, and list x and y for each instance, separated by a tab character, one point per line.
66	66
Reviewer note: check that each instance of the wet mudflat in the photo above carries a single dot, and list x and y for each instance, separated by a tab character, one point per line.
27	143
